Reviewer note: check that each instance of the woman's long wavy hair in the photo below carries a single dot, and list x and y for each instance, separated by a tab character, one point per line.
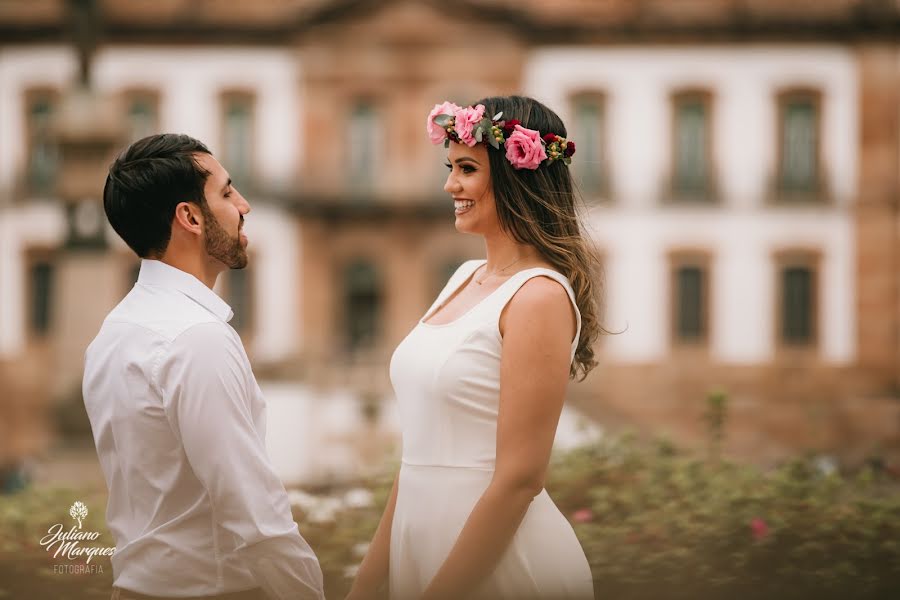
537	207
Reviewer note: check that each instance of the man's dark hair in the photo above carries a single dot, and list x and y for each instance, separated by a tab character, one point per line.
145	184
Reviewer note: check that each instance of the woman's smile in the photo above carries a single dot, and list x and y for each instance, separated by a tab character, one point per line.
463	206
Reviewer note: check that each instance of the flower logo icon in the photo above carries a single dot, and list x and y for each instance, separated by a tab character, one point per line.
78	512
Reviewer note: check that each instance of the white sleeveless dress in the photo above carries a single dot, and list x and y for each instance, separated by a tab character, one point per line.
447	382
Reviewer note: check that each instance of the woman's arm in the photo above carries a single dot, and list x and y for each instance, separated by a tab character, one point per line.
538	326
373	571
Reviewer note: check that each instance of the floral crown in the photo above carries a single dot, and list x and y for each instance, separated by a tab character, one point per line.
525	148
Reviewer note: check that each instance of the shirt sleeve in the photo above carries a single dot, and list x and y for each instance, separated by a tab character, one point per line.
204	380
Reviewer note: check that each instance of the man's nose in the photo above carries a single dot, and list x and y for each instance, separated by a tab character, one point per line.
244	206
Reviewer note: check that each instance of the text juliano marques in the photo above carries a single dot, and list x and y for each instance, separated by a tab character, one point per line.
67	543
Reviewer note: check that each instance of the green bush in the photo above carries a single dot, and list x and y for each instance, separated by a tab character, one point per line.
658	524
654	522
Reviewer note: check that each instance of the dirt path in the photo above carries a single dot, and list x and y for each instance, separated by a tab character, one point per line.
37	577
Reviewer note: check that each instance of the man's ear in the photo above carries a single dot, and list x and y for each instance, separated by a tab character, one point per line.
189	217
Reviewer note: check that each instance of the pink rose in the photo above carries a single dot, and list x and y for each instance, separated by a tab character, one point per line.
466	119
524	149
759	529
436	133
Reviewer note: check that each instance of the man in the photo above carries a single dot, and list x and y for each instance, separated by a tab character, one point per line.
178	419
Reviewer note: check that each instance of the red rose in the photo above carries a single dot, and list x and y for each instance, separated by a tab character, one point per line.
510	126
570	149
550	138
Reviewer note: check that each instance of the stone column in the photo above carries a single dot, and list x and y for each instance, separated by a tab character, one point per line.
89	282
878	217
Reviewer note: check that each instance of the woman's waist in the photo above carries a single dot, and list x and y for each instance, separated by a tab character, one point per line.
424	465
447	490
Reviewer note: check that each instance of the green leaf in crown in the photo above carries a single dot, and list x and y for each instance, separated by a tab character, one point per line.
443	120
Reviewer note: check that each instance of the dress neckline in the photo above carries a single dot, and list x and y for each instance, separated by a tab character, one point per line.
464	282
453	292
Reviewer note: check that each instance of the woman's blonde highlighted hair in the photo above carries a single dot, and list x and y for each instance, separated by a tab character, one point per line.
537	207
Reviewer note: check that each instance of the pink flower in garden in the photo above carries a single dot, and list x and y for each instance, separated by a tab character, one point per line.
524	149
466	119
893	469
759	528
583	515
435	132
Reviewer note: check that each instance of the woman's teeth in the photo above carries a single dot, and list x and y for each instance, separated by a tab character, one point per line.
463	205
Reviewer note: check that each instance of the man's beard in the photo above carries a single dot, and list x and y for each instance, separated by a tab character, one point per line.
221	246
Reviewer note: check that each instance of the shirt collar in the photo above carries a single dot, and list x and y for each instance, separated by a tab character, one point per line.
157	273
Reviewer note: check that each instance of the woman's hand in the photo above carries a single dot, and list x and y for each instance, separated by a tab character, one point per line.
358	594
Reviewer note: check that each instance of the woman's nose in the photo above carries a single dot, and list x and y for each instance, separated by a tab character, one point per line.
451	184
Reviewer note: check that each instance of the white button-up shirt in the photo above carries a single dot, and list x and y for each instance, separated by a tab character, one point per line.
179	423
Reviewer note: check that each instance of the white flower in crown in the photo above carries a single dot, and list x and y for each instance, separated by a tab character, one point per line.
78	512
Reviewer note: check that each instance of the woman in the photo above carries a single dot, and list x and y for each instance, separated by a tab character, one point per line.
481	379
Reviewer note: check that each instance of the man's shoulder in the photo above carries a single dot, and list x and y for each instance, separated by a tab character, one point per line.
163	313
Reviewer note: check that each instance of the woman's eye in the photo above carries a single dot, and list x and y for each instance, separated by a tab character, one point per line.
464	168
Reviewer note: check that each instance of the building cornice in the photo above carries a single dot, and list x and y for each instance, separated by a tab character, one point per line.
741	21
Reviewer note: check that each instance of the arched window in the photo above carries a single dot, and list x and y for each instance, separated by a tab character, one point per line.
588	131
363	147
41	285
690	297
142	113
798	297
237	137
799	174
43	151
692	145
362	305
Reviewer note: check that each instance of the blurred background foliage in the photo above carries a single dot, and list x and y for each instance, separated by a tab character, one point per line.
655	522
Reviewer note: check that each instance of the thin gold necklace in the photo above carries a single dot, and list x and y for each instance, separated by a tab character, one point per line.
497	271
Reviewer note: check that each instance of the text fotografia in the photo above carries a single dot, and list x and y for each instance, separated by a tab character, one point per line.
77	569
66	543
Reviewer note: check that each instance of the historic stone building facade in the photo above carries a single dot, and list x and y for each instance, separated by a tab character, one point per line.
738	161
